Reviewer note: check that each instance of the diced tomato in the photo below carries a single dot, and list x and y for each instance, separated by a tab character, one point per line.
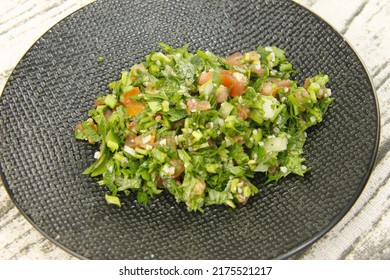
140	141
133	108
145	139
128	94
272	88
269	88
243	112
227	78
283	83
130	141
234	59
99	102
237	86
238	89
132	125
191	104
257	69
201	105
205	77
301	96
179	167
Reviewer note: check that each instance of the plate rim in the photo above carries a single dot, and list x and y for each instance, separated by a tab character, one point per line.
355	197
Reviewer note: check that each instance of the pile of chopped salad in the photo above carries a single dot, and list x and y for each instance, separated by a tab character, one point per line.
200	126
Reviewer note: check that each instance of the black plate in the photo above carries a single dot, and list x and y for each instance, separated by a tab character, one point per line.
56	82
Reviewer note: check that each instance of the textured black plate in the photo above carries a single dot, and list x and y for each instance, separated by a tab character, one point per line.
56	82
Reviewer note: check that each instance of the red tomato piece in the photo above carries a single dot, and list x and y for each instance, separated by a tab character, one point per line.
227	78
234	59
130	141
145	139
243	112
205	77
133	108
191	104
237	86
203	105
99	102
238	89
179	167
128	94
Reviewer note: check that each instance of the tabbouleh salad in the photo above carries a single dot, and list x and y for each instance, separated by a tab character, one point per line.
200	126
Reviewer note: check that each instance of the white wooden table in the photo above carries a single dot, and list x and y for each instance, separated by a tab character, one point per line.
364	233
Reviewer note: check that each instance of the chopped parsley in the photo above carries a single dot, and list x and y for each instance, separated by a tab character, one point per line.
200	126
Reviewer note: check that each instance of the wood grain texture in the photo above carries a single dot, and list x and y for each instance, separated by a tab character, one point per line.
21	24
364	233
